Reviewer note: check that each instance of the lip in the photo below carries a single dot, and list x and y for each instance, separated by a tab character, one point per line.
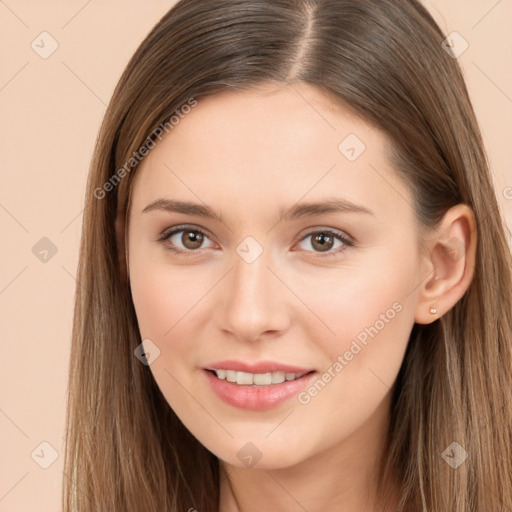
256	398
260	367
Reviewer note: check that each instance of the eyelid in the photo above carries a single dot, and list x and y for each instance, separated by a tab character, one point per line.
167	233
324	229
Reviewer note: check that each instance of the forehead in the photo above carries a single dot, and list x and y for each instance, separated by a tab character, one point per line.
270	144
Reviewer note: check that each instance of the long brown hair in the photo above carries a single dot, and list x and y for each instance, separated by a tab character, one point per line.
126	450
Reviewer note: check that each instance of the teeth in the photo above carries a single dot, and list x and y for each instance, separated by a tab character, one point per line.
277	377
256	379
261	379
244	378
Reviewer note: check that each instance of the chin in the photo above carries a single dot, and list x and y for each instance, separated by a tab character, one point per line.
260	454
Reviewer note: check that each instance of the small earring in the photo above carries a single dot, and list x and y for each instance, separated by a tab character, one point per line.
433	310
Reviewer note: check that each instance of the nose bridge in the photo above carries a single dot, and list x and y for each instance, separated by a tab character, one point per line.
250	280
254	302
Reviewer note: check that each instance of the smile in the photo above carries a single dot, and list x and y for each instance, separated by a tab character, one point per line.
256	391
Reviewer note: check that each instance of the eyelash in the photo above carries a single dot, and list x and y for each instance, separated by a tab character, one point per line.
167	235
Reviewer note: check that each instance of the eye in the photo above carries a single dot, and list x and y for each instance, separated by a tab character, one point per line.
191	240
324	240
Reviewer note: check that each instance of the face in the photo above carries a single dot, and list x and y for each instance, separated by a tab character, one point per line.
268	287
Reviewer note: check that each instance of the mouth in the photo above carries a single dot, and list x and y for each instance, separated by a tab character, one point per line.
256	391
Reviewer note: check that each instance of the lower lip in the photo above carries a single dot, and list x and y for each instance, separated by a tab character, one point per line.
256	398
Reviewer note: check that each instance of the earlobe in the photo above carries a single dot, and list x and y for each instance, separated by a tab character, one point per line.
451	259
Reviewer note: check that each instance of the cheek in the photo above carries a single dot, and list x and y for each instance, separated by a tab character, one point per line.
165	304
155	303
172	305
163	296
370	316
357	300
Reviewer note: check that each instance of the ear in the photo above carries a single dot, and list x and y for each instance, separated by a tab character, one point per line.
121	244
449	264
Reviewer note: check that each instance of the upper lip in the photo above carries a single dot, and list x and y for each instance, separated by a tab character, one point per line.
259	367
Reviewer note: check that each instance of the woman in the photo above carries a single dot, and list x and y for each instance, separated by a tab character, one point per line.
295	286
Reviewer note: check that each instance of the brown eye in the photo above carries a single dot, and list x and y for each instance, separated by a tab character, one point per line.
184	241
192	239
322	241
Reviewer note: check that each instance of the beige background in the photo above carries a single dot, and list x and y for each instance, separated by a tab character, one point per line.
51	111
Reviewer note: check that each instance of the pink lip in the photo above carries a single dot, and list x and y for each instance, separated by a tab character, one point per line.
261	367
256	398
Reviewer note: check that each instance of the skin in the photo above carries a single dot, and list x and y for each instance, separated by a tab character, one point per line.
291	304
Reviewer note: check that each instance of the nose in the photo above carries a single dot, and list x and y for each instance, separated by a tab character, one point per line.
253	302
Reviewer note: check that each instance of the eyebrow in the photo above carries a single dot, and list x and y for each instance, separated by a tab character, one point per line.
299	210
